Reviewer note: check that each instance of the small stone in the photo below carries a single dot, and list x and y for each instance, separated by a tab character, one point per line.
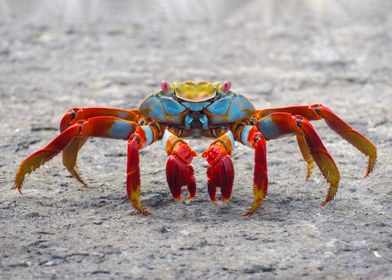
185	232
164	229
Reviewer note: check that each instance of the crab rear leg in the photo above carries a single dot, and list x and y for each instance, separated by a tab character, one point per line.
277	125
107	127
220	173
179	171
306	154
72	116
318	112
70	154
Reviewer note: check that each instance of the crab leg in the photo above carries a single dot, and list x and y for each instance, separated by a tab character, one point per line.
143	136
107	127
253	138
179	171
220	173
277	125
318	112
70	154
307	156
74	115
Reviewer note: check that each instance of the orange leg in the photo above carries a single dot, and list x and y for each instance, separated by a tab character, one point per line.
107	127
179	171
102	126
220	173
72	116
277	125
318	112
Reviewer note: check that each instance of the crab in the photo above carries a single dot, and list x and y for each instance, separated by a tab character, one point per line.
200	109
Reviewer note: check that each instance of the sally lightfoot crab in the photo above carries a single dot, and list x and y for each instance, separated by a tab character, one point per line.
201	109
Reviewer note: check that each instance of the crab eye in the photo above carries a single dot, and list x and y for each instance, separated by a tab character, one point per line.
72	115
226	86
165	86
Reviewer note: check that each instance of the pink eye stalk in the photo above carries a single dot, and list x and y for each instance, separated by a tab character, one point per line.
165	86
226	86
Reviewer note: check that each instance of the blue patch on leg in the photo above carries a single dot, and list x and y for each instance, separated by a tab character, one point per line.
268	128
120	130
149	134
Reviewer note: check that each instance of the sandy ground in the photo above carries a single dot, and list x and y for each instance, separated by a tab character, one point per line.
66	55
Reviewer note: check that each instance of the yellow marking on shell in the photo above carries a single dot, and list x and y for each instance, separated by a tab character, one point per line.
196	92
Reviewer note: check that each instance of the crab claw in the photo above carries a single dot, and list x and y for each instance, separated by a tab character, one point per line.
220	173
179	171
179	174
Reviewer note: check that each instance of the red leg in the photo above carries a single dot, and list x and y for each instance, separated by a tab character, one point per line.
221	170
179	171
318	112
108	127
103	126
75	115
277	125
135	143
257	140
143	136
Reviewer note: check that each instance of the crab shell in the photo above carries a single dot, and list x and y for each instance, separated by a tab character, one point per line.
193	106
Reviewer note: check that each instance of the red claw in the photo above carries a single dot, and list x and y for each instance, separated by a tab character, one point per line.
179	174
221	171
179	171
221	175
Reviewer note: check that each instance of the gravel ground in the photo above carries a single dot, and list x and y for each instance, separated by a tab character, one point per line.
111	54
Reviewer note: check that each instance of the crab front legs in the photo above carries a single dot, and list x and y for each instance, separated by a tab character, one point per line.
220	173
179	171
